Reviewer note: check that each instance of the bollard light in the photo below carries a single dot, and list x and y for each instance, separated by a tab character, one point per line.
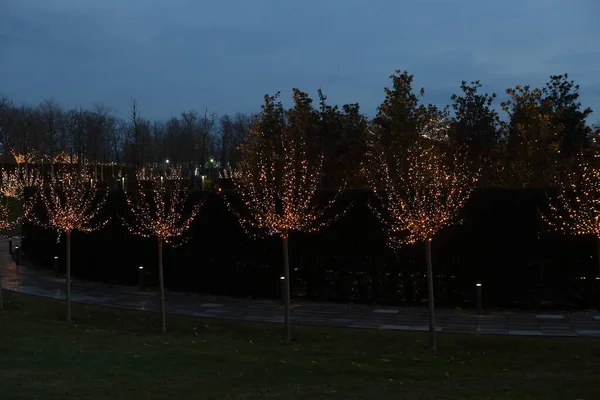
478	298
283	289
56	267
17	255
141	277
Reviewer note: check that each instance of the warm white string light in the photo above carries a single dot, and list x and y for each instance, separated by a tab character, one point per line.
71	202
14	182
576	208
159	214
419	194
278	188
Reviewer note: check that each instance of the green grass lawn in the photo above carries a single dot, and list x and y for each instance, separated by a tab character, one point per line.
114	354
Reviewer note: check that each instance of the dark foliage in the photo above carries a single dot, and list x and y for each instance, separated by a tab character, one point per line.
501	241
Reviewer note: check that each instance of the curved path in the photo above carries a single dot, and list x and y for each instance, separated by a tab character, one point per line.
42	282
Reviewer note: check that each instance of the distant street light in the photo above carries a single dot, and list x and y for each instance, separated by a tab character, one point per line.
167	160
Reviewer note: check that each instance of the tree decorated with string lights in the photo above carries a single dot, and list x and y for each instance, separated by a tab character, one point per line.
14	182
278	177
72	202
418	195
160	213
576	207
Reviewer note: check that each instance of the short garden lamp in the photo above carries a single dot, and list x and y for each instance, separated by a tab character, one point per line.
17	255
55	264
478	297
141	276
283	288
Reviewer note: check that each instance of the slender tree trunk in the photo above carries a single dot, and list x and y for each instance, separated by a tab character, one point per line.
1	266
163	317
1	298
430	296
286	289
68	283
598	242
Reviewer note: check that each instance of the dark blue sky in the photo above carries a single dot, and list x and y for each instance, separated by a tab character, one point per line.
174	55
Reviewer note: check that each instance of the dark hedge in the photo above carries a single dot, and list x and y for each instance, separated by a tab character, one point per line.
500	241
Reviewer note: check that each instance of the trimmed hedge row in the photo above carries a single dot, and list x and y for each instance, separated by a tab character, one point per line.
500	241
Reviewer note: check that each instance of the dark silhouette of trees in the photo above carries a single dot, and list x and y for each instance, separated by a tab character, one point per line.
537	131
475	126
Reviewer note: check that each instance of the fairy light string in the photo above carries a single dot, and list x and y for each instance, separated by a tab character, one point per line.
5	222
14	182
277	182
576	207
71	202
159	211
419	194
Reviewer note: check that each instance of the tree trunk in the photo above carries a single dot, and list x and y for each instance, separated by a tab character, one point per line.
1	266
1	298
430	296
598	241
68	280
163	317
286	289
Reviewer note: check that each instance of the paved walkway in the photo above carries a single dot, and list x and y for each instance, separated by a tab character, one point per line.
42	282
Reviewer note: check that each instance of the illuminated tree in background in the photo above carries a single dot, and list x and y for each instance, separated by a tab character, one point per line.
278	177
419	195
5	224
71	203
159	213
576	209
14	182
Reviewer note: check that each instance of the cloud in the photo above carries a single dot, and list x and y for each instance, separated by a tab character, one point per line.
174	55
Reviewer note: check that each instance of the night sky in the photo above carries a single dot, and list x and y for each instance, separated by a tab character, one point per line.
175	55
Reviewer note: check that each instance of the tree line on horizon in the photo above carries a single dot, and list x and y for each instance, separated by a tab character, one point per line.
543	131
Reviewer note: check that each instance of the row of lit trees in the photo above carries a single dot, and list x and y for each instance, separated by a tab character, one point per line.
419	190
